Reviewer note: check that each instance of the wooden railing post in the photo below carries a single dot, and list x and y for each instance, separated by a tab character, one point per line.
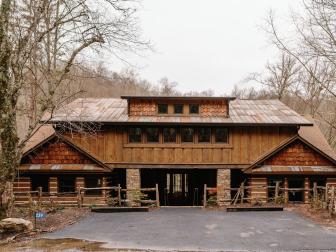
79	197
205	196
39	197
332	200
315	191
242	193
119	195
157	196
277	188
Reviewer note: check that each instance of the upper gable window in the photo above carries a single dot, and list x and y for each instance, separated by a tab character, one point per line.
178	108
163	108
204	135
134	135
221	135
193	109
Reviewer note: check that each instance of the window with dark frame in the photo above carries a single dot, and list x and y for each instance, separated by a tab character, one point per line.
178	108
134	135
39	181
204	135
93	182
163	108
153	135
221	135
169	135
194	109
66	184
187	135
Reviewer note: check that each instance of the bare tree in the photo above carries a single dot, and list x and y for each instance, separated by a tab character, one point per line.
40	42
313	46
280	77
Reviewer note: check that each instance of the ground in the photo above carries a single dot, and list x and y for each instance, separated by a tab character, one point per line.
193	229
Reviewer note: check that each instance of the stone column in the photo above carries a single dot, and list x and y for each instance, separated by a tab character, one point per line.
223	181
133	183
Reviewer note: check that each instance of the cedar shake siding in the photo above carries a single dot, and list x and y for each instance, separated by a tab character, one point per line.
298	154
56	152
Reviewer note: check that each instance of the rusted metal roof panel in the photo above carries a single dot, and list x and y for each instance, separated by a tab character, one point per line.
61	167
294	169
112	110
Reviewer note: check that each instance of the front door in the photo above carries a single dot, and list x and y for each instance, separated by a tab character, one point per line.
177	189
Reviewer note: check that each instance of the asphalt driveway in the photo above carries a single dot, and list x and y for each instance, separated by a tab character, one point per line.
197	229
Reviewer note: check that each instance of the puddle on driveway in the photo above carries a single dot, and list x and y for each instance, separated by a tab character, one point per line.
50	245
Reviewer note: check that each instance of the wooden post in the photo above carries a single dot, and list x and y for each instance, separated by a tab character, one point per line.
277	187
242	193
157	196
326	193
79	201
39	197
315	191
205	196
332	200
119	195
286	190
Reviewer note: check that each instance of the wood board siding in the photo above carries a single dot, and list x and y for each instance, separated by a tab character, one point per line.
245	145
258	190
298	154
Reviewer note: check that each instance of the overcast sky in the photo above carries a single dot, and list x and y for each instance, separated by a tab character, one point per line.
206	44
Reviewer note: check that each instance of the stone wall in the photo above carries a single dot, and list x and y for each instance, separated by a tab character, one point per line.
223	181
133	183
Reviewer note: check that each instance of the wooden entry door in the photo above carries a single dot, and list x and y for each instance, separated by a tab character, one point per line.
177	189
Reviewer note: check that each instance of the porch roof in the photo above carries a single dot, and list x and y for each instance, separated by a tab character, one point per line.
61	168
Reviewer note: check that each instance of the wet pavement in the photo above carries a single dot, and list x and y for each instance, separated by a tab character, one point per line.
198	229
193	229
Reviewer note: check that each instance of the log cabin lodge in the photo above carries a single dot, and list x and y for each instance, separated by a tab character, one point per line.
179	143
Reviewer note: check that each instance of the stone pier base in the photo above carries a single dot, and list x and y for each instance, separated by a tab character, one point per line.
133	183
223	181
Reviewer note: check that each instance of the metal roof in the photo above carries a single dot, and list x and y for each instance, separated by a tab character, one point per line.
294	169
62	167
162	97
112	110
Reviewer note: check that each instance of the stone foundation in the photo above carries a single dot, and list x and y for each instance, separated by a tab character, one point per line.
133	183
223	181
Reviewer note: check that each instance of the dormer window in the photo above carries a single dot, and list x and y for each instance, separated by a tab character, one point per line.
193	109
178	108
163	108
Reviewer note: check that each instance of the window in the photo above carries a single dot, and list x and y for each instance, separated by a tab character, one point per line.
193	109
187	135
162	108
152	135
134	135
221	135
178	108
66	184
40	181
92	182
169	135
204	135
